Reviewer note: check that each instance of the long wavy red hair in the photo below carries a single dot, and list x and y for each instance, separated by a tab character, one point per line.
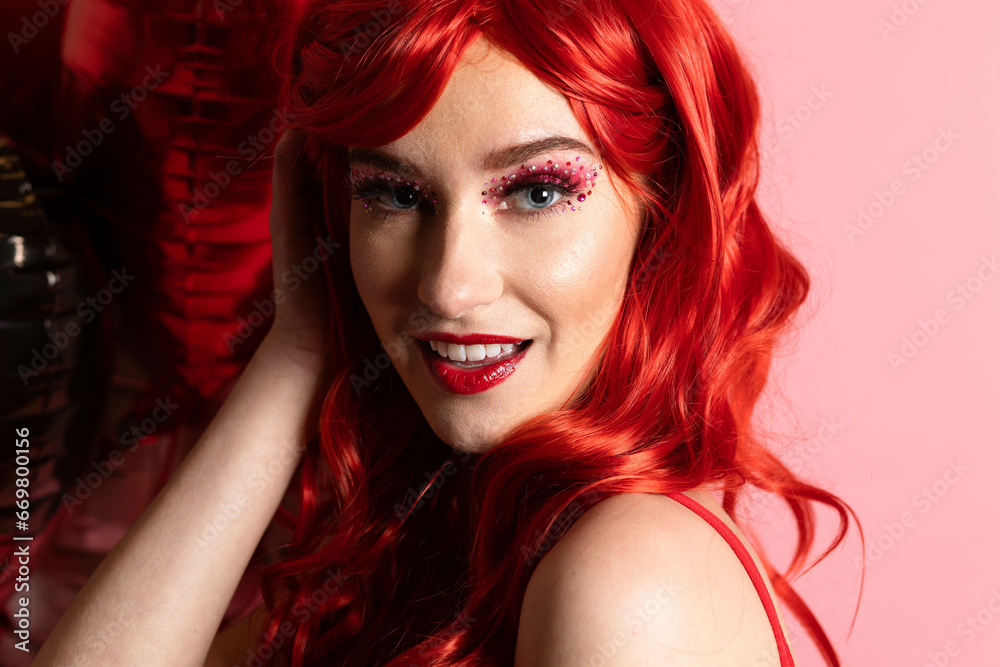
405	552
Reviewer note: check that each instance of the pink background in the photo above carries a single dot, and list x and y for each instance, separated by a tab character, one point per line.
875	430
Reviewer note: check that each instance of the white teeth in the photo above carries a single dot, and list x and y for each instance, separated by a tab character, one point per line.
456	352
470	353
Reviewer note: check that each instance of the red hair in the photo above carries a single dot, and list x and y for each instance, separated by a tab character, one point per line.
403	551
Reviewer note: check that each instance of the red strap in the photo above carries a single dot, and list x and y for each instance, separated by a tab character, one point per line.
784	652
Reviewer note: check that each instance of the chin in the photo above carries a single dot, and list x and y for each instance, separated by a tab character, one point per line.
465	438
465	441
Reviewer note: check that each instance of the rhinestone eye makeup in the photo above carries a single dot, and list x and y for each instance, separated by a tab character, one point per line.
535	188
543	187
380	190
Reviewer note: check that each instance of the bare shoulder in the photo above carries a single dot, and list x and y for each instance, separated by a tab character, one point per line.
641	579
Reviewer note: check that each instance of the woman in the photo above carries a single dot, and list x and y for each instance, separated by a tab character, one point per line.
552	314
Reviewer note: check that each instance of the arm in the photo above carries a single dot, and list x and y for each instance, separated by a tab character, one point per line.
159	596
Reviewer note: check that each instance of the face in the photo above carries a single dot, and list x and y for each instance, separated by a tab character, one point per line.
492	223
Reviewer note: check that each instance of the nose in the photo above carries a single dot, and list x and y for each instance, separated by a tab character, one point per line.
459	264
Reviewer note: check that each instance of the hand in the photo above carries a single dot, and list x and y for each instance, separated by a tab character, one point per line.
301	325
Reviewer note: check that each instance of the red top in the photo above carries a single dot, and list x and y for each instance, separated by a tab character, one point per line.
784	653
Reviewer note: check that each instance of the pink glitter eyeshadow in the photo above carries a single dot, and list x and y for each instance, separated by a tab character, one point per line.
368	184
557	180
385	194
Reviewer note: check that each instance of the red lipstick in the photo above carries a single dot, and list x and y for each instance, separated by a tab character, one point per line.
456	379
467	339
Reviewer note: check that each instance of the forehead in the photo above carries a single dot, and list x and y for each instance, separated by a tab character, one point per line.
491	101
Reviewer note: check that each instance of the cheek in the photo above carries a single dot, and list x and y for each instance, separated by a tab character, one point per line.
576	279
375	262
377	253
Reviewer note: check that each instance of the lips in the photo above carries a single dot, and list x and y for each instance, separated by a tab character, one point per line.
472	379
468	339
474	356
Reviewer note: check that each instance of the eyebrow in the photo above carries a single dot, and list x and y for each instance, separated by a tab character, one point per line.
513	156
494	161
373	157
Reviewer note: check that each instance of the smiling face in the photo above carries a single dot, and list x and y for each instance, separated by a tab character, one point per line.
494	216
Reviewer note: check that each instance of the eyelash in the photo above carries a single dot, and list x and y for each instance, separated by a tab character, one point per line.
368	189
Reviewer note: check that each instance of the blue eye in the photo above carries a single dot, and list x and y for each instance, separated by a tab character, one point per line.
387	197
401	197
538	196
535	196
